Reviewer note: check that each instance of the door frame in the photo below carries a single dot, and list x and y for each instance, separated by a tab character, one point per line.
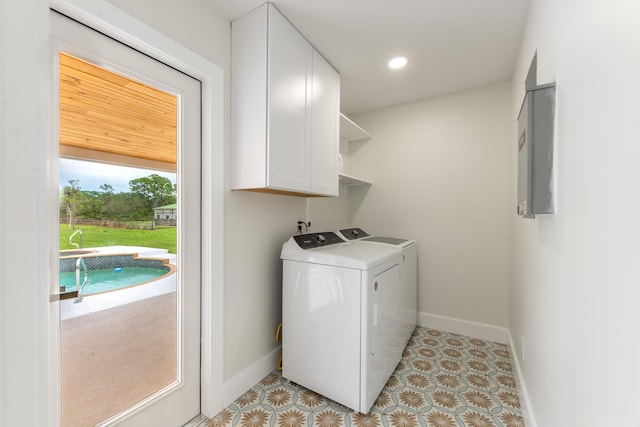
115	23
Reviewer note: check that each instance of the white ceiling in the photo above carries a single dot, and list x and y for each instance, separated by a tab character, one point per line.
452	45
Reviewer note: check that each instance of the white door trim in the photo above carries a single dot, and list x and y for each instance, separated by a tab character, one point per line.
113	22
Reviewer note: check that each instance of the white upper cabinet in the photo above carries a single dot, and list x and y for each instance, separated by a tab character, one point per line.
284	109
325	127
289	62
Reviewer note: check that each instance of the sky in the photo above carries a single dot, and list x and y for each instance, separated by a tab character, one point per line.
92	175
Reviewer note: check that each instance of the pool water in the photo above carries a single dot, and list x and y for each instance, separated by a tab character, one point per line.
110	279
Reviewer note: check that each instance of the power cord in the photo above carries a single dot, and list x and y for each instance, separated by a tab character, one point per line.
306	226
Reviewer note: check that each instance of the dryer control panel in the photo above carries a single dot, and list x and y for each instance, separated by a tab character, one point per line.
353	233
316	240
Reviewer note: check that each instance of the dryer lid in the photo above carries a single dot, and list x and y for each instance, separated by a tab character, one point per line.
387	240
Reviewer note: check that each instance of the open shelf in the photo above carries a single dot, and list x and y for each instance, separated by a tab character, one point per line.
349	131
352	180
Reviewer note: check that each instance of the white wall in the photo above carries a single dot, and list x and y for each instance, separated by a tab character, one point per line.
192	23
330	213
440	174
256	226
574	276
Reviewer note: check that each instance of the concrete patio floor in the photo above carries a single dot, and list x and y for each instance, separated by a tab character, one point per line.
116	357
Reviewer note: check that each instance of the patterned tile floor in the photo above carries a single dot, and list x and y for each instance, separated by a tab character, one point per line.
443	380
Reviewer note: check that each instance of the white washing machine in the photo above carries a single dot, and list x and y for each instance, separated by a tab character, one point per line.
408	271
342	330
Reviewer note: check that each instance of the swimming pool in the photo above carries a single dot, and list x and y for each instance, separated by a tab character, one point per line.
111	279
106	260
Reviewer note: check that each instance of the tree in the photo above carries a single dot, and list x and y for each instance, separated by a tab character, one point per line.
124	206
70	195
155	189
89	204
106	198
107	188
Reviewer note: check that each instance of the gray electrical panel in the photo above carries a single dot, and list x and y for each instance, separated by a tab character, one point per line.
535	152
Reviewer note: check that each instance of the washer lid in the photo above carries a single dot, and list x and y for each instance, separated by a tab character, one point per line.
355	254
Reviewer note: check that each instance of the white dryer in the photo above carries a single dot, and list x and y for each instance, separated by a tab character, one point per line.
341	323
408	270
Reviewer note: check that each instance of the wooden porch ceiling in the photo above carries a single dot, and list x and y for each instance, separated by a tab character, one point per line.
105	112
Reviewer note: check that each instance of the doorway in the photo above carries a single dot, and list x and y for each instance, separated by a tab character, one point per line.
173	316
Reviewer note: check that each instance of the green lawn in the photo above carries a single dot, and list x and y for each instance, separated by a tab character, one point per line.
93	236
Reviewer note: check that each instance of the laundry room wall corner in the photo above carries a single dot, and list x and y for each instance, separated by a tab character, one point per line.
192	23
440	173
329	213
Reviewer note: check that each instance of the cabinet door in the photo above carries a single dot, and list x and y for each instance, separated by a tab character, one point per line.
289	158
248	153
325	127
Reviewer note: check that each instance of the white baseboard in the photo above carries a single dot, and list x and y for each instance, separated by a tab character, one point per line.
239	384
464	327
525	403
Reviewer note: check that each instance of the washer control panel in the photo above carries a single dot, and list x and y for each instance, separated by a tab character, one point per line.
353	233
316	240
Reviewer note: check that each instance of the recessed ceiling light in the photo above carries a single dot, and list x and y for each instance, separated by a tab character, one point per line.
398	62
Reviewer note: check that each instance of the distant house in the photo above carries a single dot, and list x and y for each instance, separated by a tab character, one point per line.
166	212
